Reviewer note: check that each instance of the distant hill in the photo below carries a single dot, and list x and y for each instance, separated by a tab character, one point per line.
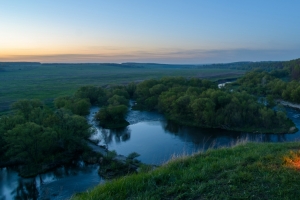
12	66
264	65
244	65
19	63
157	65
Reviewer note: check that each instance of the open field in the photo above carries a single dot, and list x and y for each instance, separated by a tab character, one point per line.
47	81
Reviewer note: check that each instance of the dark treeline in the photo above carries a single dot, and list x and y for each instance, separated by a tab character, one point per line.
268	66
292	65
39	137
276	84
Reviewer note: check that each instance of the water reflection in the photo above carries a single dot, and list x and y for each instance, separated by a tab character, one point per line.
58	184
157	140
26	189
154	138
200	135
108	136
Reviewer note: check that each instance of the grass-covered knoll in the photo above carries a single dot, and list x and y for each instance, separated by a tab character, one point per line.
47	81
246	171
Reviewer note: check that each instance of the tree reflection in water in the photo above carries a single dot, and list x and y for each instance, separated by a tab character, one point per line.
57	184
199	135
26	189
117	135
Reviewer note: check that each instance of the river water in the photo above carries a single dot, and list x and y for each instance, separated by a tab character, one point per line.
149	134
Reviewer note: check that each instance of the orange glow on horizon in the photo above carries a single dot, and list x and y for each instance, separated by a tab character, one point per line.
94	54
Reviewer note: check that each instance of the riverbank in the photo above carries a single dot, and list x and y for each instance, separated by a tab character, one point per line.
289	104
248	171
113	165
289	127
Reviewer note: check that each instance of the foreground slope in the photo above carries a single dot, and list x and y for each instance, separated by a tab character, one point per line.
246	171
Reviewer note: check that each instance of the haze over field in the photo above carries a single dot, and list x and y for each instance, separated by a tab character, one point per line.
149	31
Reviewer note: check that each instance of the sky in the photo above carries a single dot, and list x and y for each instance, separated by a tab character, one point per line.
156	31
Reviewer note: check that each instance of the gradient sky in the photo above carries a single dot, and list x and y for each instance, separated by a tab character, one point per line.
161	31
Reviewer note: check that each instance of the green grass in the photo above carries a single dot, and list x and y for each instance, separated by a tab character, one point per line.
246	171
47	81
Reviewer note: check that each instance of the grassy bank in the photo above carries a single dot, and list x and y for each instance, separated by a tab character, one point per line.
246	171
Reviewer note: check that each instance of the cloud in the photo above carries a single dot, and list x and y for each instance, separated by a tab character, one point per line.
176	56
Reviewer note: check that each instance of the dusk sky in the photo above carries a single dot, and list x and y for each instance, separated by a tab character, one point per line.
164	31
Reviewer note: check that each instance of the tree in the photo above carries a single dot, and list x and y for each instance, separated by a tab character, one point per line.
24	107
121	92
112	116
78	106
93	93
30	143
270	101
81	107
203	109
131	87
117	100
70	130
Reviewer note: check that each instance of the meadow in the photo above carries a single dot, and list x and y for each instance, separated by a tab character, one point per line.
48	81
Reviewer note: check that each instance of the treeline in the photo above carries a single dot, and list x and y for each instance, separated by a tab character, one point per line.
292	66
273	85
39	137
268	66
200	103
192	102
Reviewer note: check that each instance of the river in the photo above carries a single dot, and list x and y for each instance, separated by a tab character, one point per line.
149	134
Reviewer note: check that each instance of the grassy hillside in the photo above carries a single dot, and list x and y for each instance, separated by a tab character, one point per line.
47	81
246	171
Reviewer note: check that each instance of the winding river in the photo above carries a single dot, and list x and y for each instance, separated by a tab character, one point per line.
149	134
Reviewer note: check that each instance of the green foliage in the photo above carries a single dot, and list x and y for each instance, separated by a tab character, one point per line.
114	101
111	155
81	107
94	94
267	84
270	101
122	92
29	142
24	107
39	136
199	102
131	87
117	100
112	116
78	106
